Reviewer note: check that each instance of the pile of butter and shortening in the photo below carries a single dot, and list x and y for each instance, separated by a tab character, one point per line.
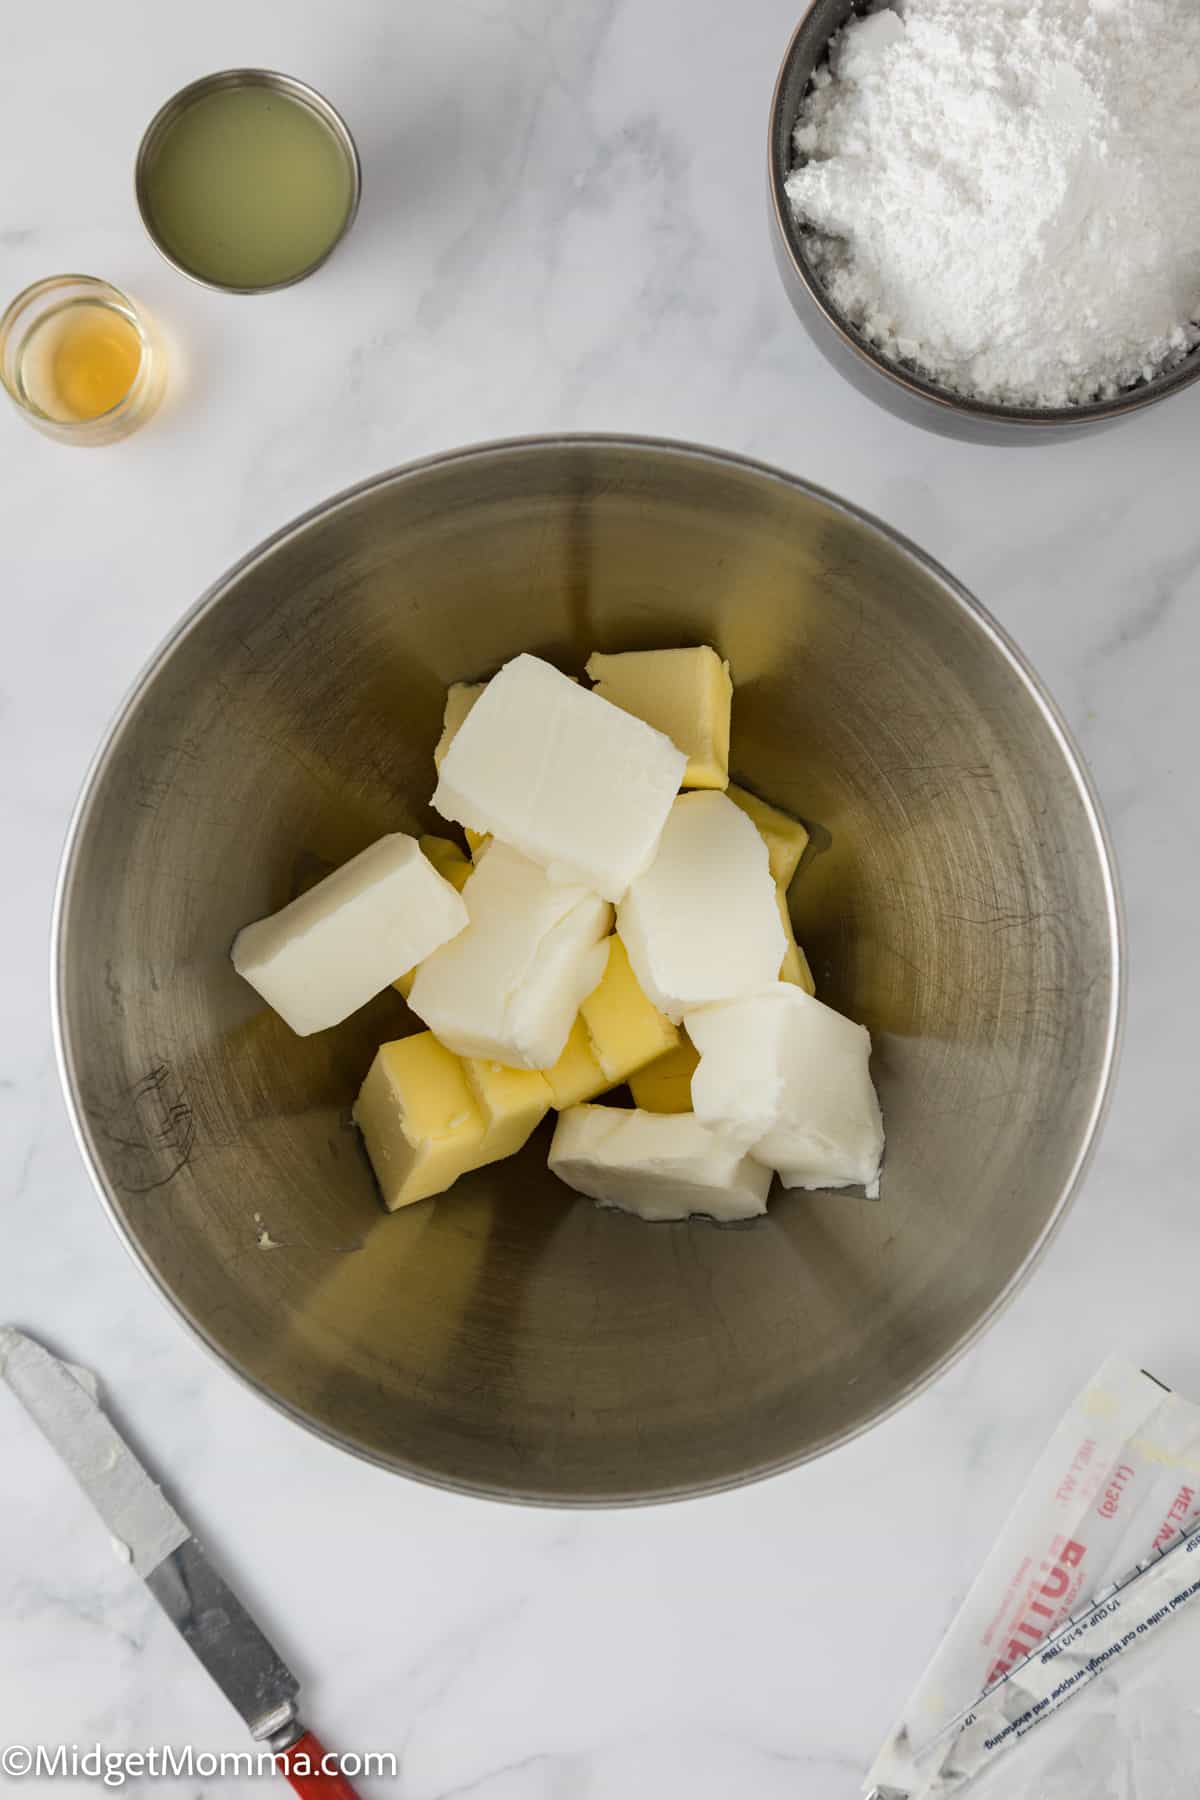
700	998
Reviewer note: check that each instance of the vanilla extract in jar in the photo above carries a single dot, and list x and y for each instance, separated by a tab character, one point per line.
79	360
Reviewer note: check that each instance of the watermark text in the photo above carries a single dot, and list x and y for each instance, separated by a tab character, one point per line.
113	1768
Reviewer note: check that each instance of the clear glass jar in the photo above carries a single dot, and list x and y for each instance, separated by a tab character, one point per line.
79	361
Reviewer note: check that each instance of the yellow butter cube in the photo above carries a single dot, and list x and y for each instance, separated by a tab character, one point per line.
419	1120
460	698
449	861
665	1086
513	1103
577	1076
685	693
627	1031
786	838
794	967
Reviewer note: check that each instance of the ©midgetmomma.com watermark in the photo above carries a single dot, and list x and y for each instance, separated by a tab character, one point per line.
113	1768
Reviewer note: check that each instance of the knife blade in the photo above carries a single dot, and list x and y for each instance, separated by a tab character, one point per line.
63	1403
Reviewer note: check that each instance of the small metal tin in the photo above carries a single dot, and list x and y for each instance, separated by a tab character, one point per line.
178	104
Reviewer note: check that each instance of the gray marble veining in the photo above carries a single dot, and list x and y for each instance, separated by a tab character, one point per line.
563	226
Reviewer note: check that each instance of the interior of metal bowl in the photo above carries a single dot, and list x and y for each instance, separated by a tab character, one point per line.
806	52
510	1338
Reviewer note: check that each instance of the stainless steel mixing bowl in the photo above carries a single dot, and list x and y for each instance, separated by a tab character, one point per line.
510	1339
903	391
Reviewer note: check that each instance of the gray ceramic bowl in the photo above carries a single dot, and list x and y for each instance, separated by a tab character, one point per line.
510	1339
901	391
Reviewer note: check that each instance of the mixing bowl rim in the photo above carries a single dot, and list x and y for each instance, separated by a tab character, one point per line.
916	386
960	599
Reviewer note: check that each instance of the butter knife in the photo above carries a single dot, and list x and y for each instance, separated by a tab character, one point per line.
62	1402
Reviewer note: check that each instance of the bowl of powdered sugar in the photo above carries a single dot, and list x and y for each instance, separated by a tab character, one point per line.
989	215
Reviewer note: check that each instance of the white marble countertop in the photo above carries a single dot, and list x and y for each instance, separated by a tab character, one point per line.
563	226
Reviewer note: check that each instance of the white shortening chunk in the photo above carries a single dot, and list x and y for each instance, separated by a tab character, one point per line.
702	924
658	1165
460	698
568	779
329	952
511	986
787	1078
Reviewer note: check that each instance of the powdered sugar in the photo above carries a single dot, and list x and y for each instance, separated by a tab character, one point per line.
1006	193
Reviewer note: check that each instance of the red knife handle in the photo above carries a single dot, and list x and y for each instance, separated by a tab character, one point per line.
304	1763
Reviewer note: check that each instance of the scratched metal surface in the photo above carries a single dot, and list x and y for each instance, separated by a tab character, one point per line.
510	1338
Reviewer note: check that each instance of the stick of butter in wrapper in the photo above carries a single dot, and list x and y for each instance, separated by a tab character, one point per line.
1118	1484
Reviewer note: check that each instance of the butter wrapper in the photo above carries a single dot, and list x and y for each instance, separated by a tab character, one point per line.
1118	1483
